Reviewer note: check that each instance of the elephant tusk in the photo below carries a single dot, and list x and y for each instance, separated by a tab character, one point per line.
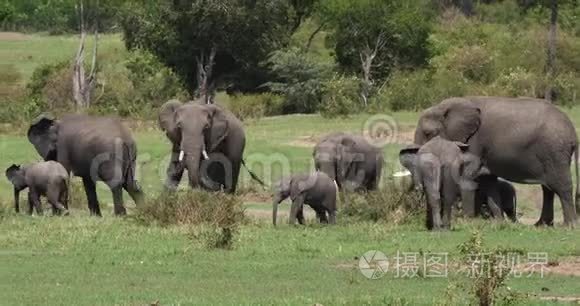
181	154
205	156
402	173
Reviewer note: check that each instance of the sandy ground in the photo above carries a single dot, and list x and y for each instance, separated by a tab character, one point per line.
13	36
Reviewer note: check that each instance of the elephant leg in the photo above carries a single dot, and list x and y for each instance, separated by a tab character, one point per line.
295	210
34	201
547	216
134	191
30	204
494	203
300	216
565	191
508	204
118	201
53	196
235	174
90	190
332	217
174	172
321	215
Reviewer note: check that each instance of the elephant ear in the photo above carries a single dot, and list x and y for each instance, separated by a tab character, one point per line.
461	121
408	157
220	126
15	175
43	134
167	120
345	156
299	185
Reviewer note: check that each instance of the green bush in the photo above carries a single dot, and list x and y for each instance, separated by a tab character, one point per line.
213	218
405	91
390	204
12	94
341	97
474	63
299	79
255	106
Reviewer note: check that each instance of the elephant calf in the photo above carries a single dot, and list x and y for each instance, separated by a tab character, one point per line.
48	179
315	189
500	196
444	171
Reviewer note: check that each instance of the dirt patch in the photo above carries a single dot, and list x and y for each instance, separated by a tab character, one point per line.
561	299
13	36
305	141
568	266
257	197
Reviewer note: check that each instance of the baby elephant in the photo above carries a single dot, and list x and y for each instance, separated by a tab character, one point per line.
444	171
499	195
48	179
316	189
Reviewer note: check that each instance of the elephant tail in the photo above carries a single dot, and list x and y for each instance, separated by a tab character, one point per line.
253	175
130	164
577	196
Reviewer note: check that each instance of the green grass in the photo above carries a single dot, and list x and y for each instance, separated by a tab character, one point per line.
80	260
87	261
26	52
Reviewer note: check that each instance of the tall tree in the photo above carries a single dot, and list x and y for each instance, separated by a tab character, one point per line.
211	43
83	84
371	37
552	36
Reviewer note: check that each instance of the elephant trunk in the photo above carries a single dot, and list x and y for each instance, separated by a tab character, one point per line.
275	211
191	156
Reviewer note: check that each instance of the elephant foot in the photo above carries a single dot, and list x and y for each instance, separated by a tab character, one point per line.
120	211
544	223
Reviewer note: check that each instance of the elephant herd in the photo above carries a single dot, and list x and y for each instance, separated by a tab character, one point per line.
464	149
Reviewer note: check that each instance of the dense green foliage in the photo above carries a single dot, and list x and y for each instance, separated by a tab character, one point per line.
183	34
308	54
56	16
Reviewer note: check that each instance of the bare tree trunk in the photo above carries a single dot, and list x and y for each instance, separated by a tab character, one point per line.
313	35
551	61
83	85
206	88
367	56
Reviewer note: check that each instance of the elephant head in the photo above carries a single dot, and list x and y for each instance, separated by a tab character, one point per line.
15	174
281	192
195	130
456	119
43	134
408	159
336	156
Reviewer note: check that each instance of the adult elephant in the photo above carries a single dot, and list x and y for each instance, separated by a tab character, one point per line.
350	160
206	140
93	148
523	140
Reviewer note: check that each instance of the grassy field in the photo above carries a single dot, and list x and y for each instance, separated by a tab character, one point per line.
79	260
86	261
26	52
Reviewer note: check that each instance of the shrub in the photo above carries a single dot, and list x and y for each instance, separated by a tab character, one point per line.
405	91
213	218
153	82
389	204
255	106
299	79
341	97
474	63
490	272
